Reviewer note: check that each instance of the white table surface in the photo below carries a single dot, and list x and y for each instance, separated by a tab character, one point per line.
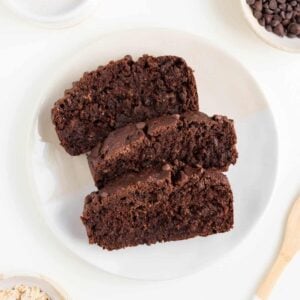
27	50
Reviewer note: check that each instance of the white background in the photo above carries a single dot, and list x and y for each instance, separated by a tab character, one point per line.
26	51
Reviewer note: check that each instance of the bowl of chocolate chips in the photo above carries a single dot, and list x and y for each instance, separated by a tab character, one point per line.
277	22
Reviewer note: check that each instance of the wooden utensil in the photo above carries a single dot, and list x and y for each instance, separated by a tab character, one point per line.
289	247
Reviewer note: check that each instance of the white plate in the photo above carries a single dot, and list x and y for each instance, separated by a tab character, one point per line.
225	87
283	43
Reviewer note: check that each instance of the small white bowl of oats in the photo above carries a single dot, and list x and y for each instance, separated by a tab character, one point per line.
29	287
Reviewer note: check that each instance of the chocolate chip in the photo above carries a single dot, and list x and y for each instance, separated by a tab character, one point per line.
282	6
285	22
269	11
258	5
289	15
257	14
281	17
289	8
268	19
276	17
274	23
279	30
262	22
282	14
183	178
294	28
293	3
273	4
140	125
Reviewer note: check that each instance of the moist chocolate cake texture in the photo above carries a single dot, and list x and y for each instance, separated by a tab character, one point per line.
191	138
119	93
156	160
158	205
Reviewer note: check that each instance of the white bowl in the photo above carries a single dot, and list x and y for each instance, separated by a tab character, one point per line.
61	13
283	43
9	281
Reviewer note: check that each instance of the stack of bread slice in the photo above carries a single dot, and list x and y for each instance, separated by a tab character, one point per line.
156	160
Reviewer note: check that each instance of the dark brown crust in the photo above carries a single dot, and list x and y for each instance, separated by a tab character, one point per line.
121	92
191	138
158	206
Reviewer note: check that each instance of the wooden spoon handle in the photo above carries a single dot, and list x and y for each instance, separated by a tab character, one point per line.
278	266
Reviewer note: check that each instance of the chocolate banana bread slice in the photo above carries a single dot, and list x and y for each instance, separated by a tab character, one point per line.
158	206
121	92
191	138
